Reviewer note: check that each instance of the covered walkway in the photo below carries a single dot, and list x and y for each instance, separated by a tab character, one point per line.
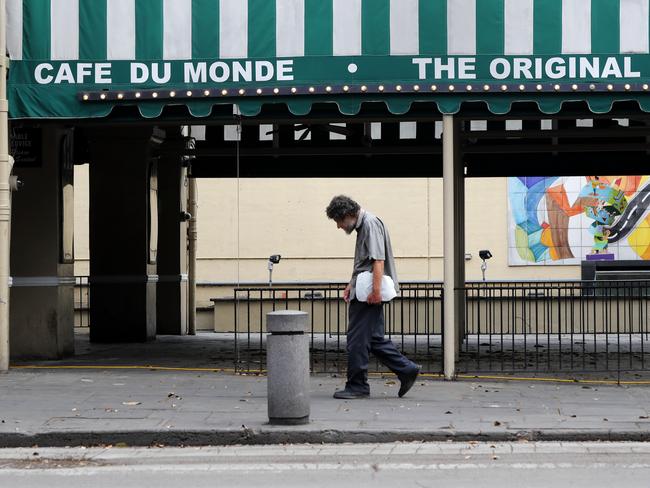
561	85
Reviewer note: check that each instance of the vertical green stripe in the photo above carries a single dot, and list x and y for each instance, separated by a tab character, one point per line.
261	28
36	29
375	27
149	29
205	29
605	26
548	27
433	26
490	29
319	15
92	29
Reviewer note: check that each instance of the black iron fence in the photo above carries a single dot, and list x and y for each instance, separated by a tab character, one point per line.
413	320
575	326
82	301
509	327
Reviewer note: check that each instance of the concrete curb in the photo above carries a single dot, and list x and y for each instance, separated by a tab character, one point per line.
266	437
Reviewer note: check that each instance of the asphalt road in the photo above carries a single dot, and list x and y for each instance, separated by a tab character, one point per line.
380	465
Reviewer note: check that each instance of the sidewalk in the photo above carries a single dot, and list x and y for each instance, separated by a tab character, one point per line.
48	407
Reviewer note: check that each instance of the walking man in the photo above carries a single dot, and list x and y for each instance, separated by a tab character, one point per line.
373	253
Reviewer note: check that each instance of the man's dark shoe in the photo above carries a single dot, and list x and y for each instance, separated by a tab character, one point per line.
350	395
408	382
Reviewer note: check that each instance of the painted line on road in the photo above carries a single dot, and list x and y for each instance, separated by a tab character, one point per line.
292	467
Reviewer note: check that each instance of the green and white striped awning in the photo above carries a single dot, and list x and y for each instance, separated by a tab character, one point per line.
80	58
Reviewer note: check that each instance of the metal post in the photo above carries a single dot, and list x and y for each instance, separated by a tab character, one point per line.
449	148
5	195
192	237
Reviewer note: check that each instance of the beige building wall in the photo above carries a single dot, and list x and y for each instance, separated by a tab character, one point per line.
81	213
242	223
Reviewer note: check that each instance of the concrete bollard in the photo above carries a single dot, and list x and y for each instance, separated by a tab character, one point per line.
287	357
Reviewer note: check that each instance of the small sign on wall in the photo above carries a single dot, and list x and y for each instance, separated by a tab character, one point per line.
25	145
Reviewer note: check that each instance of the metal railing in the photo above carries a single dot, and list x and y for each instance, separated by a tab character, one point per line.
576	326
82	301
524	326
413	320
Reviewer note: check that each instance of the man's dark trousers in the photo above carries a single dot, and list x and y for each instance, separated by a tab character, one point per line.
366	335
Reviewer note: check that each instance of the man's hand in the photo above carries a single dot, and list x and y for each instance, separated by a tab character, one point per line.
375	297
377	274
346	293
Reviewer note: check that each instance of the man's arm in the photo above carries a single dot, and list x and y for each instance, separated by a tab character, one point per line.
377	274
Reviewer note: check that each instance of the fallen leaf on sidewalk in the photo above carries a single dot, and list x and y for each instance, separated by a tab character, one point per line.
643	417
390	382
131	404
497	423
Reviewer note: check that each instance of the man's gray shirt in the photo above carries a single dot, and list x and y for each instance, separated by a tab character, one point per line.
373	244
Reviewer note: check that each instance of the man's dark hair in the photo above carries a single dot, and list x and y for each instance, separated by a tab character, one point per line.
341	207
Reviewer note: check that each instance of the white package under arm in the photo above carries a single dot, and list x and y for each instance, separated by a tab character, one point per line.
364	287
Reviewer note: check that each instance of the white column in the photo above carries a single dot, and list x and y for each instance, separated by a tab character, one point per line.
65	29
5	207
120	35
453	231
177	36
15	29
346	36
518	20
461	27
233	29
404	28
576	27
634	25
290	28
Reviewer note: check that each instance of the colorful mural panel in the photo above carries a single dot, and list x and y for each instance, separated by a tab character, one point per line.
564	220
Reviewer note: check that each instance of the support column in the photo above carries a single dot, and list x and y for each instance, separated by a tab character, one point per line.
171	299
123	233
42	261
5	197
192	237
454	244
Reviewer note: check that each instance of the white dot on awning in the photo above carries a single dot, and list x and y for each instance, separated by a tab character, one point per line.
353	68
